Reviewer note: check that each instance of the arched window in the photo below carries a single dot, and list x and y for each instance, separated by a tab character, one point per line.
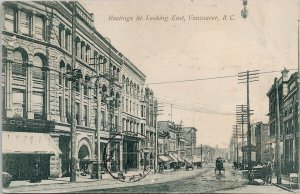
123	82
20	61
61	72
130	87
127	85
39	61
66	81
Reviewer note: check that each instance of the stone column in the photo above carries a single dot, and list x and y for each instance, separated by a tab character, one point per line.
63	106
29	83
89	106
55	160
139	155
121	153
19	19
47	93
33	13
8	85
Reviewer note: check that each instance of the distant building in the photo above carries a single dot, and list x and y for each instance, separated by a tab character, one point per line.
263	151
190	134
290	124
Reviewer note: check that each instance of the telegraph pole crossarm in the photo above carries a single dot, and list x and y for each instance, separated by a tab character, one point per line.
247	77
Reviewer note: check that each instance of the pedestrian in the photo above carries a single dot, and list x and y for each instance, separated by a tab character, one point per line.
264	173
269	173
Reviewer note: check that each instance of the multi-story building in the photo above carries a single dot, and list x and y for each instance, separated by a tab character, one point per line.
282	92
37	64
290	123
172	141
264	153
190	145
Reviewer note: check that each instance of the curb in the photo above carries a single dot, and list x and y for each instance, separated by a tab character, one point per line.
282	187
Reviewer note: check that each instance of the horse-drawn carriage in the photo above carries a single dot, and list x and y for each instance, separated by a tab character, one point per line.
219	165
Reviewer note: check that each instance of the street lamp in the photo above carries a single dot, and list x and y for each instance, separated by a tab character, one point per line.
98	61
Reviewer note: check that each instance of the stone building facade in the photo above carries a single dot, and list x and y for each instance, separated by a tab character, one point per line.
37	61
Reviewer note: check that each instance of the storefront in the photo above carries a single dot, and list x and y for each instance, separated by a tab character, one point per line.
130	154
25	152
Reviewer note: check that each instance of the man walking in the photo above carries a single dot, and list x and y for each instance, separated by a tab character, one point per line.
269	173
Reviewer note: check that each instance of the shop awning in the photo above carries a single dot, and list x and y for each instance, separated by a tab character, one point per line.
163	159
178	158
187	160
174	159
196	159
28	143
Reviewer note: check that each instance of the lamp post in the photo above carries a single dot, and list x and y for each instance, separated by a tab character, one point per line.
98	61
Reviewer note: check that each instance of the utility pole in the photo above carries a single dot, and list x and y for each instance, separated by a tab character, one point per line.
156	110
201	150
236	135
278	158
241	118
247	77
73	99
298	101
98	60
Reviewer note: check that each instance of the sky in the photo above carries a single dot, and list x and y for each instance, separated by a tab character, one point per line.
194	49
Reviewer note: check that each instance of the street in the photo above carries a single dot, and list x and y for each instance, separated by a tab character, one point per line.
202	182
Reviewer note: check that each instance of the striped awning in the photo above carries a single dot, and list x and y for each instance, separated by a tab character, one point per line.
178	158
187	160
163	158
28	143
173	158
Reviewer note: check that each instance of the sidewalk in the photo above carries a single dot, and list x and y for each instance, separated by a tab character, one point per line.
285	184
84	183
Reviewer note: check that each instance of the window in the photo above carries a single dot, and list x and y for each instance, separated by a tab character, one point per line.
130	106
123	103
37	72
77	111
103	120
142	111
116	123
137	109
126	105
9	19
61	35
39	28
18	103
68	115
88	55
24	23
61	72
85	116
85	88
68	40
66	81
95	117
18	67
59	107
77	86
82	51
133	107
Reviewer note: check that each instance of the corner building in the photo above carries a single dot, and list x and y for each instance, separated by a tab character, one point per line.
36	92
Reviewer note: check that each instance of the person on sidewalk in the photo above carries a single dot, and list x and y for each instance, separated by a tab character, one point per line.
269	173
264	173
